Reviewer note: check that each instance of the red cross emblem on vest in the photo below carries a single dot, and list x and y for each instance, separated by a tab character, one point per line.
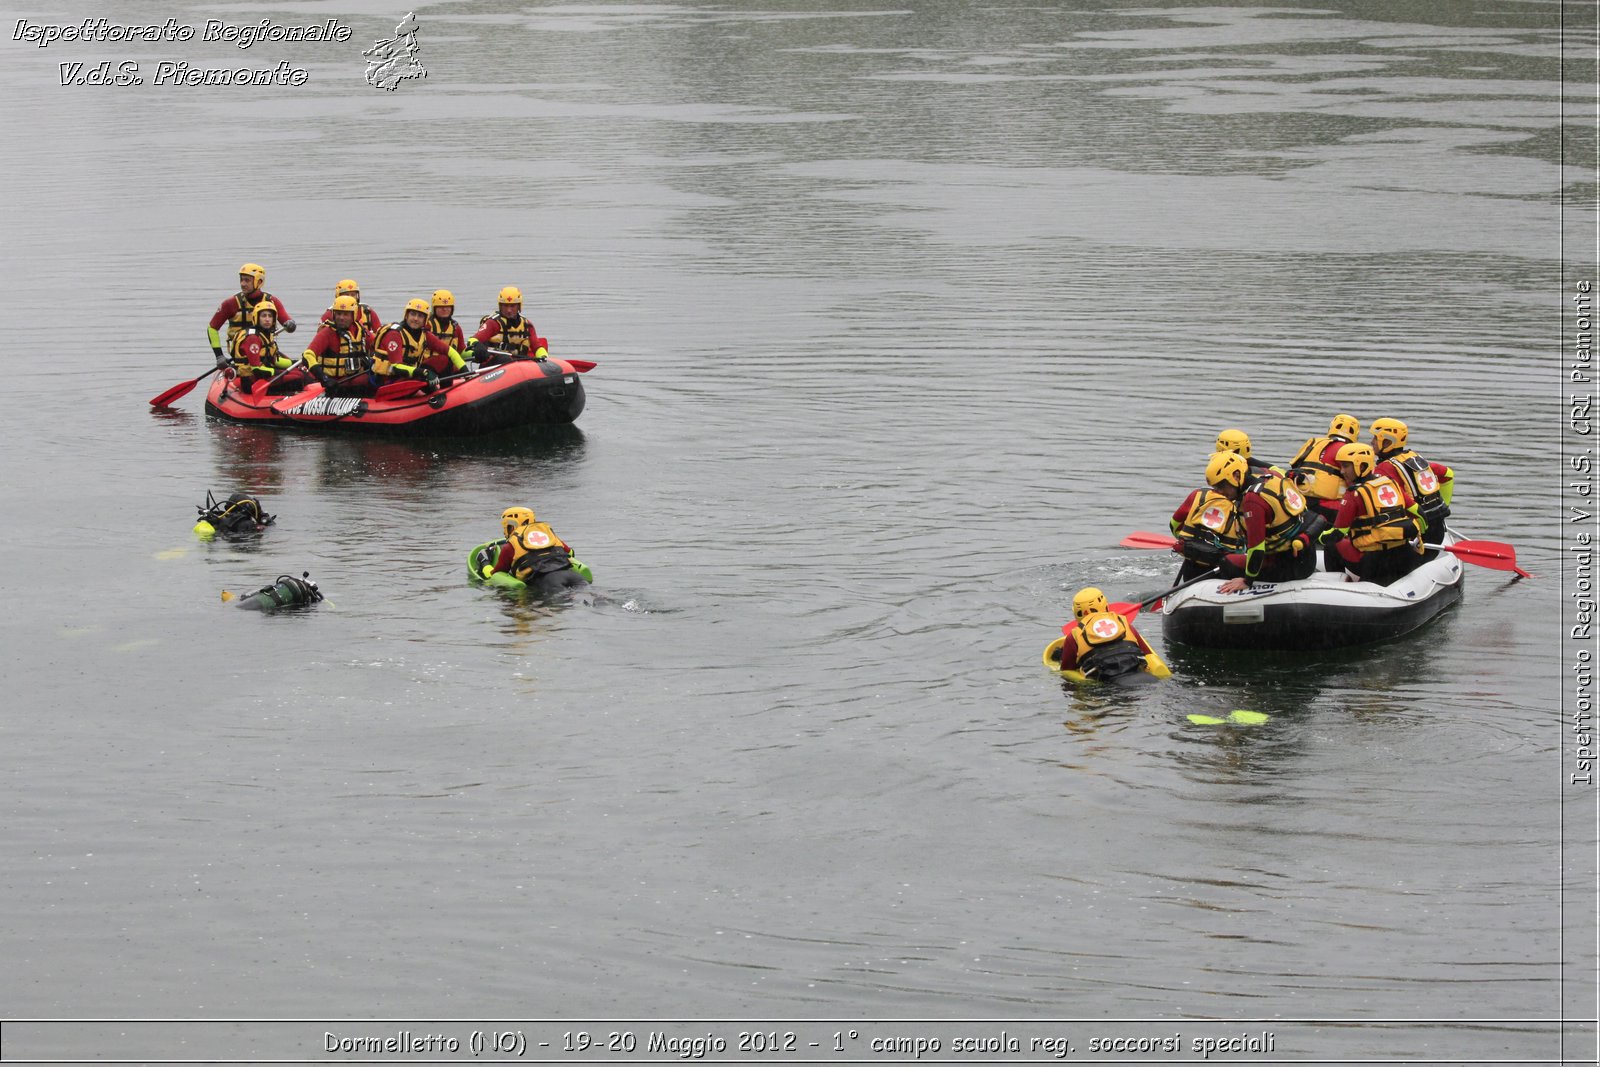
1212	517
1388	497
1427	482
1104	627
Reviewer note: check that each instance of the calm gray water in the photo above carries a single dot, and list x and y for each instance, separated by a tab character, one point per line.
904	316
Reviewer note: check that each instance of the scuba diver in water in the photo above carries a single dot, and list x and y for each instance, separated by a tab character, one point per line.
236	516
1100	643
533	554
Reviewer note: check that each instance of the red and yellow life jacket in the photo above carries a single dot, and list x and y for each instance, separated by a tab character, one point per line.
536	550
1212	518
1105	646
1316	478
351	357
1425	486
1384	520
244	317
1285	511
413	352
270	355
514	336
445	330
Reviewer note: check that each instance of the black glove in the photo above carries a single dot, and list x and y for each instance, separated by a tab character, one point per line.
222	359
430	379
288	325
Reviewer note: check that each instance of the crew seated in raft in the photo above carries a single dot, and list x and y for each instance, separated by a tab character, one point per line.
1376	536
1207	524
507	331
1430	484
1315	468
405	349
533	554
1100	643
339	356
253	352
1278	525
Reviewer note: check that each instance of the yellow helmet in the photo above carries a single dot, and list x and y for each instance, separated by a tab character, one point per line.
348	285
1226	468
514	519
511	295
1234	441
1389	435
1344	426
266	307
443	298
418	304
1359	456
256	271
345	303
1088	601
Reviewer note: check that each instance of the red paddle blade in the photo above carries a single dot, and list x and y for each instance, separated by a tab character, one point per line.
177	392
1127	611
1146	539
582	366
1496	555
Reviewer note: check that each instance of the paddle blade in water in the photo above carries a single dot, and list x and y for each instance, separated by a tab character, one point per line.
177	392
583	366
226	596
1496	555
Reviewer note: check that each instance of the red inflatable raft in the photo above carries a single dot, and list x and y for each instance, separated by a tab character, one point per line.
526	392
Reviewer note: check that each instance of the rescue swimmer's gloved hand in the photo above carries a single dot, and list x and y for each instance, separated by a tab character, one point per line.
487	570
1331	535
222	360
288	324
541	354
430	379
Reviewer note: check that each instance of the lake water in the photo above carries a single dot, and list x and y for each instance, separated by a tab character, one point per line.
904	316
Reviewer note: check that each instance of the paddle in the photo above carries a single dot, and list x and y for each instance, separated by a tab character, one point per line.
1146	539
161	400
1496	555
1128	611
